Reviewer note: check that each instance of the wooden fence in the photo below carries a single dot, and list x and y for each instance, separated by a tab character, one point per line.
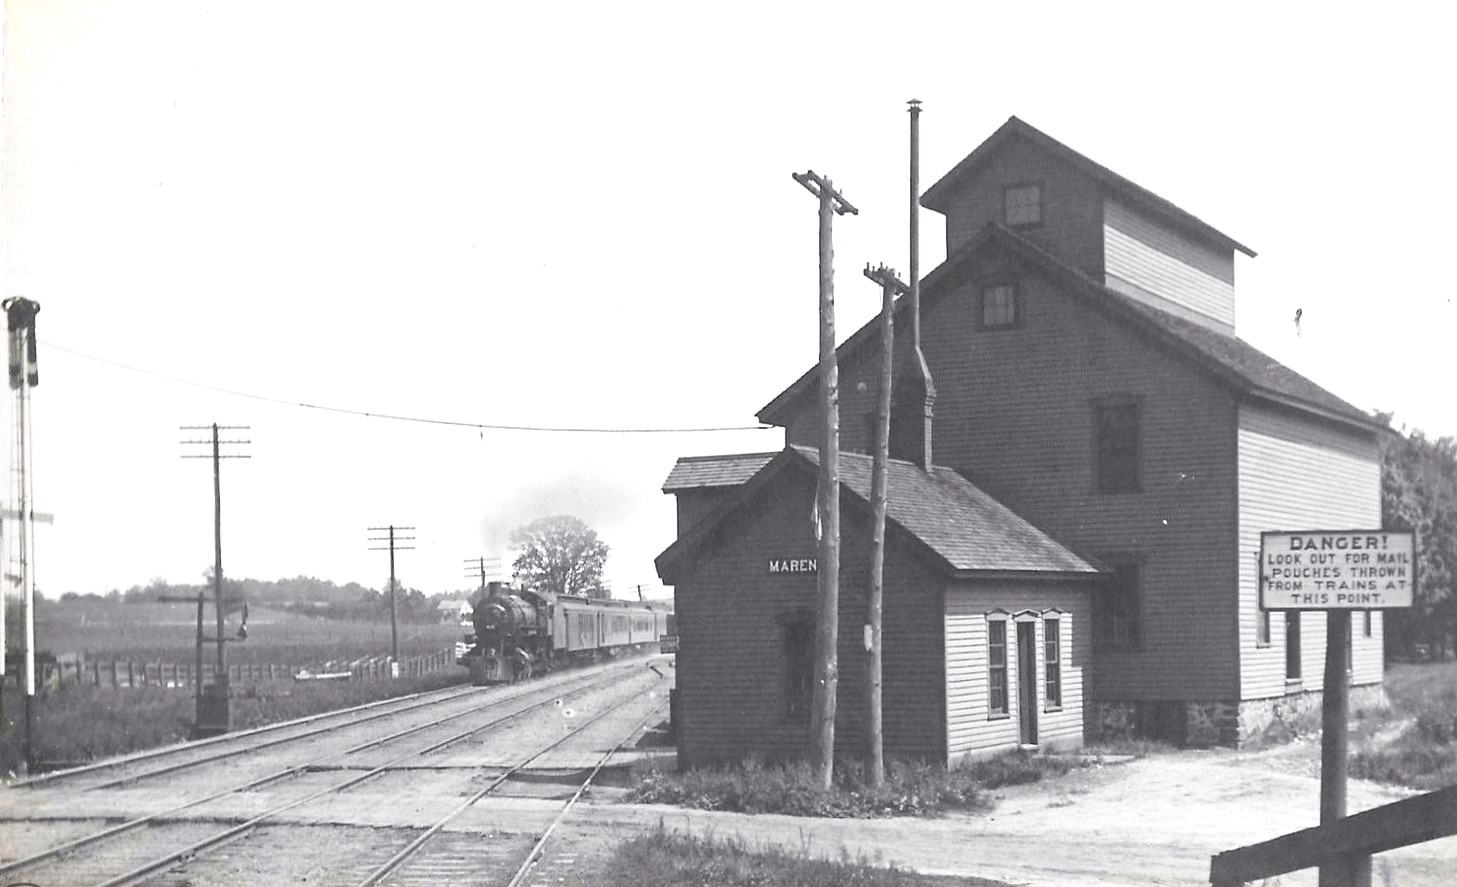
1346	844
74	670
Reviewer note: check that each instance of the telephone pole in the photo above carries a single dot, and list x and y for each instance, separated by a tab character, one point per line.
393	539
880	468
822	721
478	567
219	718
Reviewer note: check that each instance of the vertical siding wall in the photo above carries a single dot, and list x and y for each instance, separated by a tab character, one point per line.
1157	265
1014	414
971	731
1072	206
730	664
1295	474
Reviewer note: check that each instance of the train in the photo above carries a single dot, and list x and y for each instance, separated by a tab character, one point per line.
517	633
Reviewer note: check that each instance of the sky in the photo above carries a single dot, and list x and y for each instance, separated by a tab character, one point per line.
580	215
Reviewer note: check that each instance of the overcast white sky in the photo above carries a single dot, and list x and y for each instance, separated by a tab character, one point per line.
582	215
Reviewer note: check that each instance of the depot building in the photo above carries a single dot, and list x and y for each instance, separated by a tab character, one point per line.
1076	496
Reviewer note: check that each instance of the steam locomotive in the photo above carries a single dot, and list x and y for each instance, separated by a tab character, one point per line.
518	633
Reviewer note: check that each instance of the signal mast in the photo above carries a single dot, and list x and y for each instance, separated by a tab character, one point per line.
19	543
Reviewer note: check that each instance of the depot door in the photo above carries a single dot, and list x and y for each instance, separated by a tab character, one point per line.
1027	680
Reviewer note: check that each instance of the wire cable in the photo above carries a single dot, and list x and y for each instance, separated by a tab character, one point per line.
394	417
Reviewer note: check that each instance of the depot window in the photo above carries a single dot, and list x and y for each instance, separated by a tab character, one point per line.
797	644
1023	204
1052	653
997	666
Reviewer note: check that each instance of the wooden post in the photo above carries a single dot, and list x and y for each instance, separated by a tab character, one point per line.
1355	870
822	721
96	672
878	496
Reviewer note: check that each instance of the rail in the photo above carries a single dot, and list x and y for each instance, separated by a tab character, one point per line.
1346	844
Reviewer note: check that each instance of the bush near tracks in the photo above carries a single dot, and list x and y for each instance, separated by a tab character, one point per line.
80	724
1424	754
663	859
910	789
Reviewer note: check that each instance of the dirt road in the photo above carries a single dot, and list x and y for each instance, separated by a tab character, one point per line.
1154	821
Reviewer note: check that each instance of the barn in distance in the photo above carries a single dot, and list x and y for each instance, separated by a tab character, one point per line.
1089	380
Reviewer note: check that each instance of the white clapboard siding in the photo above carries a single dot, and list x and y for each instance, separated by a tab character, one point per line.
970	731
1155	264
1295	474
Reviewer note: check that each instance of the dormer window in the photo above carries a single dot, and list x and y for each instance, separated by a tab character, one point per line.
1023	204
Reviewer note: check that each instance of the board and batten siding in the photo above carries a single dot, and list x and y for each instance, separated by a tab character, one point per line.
1159	266
1072	205
971	731
1014	415
1299	474
730	661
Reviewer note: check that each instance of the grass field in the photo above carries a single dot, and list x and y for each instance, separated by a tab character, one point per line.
81	723
151	632
1423	754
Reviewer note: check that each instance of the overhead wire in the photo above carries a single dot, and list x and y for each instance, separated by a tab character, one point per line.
395	417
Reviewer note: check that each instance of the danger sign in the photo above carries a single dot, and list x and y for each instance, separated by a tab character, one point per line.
1337	570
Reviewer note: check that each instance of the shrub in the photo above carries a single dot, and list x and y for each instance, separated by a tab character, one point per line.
910	788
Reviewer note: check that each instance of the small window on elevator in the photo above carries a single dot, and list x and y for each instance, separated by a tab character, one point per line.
1023	204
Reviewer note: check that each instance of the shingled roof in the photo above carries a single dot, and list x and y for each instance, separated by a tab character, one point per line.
937	197
961	528
1233	361
691	472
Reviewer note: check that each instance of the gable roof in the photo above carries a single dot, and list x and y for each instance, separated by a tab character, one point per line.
956	525
938	196
1231	360
694	472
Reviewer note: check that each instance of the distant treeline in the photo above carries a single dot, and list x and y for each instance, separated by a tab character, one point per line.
304	595
1419	492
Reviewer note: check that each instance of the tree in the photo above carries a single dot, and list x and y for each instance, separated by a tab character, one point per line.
560	554
1419	493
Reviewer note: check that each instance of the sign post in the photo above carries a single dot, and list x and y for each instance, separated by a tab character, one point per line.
1337	571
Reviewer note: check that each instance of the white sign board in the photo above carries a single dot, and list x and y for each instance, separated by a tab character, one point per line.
1336	570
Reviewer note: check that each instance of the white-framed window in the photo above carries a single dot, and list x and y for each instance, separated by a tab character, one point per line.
997	702
1052	659
1023	204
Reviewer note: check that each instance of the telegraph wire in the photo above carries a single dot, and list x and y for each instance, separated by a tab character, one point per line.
395	417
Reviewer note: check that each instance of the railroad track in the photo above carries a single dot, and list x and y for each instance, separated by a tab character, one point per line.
144	848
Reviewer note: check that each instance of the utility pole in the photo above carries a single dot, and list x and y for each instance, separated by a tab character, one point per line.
392	547
880	468
822	721
479	567
219	718
24	375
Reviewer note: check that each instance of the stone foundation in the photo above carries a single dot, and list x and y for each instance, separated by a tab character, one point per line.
1204	724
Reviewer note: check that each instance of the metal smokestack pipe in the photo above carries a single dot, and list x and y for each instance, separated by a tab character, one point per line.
916	226
918	358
